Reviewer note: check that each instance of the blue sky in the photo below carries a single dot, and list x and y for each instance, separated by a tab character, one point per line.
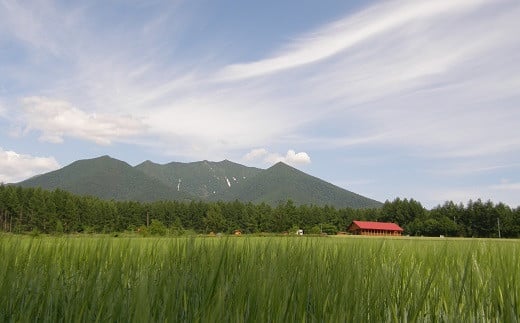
406	98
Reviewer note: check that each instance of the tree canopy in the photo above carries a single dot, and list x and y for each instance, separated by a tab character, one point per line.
34	209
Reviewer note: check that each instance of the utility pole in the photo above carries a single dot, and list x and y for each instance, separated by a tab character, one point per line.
147	219
498	223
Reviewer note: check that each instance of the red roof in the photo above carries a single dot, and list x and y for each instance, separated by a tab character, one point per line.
368	225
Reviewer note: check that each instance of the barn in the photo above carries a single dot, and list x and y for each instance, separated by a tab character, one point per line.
368	228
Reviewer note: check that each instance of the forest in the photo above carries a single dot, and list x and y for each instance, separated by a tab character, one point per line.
33	210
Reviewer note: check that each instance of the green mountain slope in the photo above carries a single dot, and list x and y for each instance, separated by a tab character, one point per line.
109	178
205	180
282	182
106	178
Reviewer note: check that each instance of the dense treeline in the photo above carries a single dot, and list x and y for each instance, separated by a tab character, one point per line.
37	210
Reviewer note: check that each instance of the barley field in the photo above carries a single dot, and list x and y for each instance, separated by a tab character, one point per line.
258	279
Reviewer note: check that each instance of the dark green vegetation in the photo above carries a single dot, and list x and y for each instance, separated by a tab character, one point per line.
36	210
282	182
106	178
276	279
109	178
204	179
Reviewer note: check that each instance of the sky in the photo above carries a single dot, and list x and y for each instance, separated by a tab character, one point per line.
399	98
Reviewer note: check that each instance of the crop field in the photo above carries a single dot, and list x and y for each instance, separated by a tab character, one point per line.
258	279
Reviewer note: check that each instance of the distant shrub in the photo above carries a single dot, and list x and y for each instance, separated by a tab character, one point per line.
329	229
143	230
88	229
34	233
157	228
315	230
59	227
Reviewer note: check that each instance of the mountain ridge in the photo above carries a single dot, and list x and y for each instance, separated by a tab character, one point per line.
106	178
281	182
110	178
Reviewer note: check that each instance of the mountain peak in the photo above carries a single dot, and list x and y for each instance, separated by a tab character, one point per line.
102	160
100	157
227	162
281	165
148	163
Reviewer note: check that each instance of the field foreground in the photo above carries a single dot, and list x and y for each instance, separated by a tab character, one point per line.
269	279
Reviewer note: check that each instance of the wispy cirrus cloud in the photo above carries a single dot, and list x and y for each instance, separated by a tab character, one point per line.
408	73
346	33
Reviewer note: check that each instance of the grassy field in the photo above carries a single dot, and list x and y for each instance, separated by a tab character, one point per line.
263	279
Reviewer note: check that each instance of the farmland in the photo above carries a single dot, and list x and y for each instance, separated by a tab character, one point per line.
238	279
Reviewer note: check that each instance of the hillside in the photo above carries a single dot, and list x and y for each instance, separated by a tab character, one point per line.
107	178
203	179
282	182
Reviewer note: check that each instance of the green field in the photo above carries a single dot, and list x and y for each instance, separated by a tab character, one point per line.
263	279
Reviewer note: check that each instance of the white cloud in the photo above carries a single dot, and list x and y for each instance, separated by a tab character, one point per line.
404	73
346	33
291	157
429	86
435	80
15	167
294	158
256	154
56	119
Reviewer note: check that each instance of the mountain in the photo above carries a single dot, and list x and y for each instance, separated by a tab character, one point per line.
203	179
109	178
281	182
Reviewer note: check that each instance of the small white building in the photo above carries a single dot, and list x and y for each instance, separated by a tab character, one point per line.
299	232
